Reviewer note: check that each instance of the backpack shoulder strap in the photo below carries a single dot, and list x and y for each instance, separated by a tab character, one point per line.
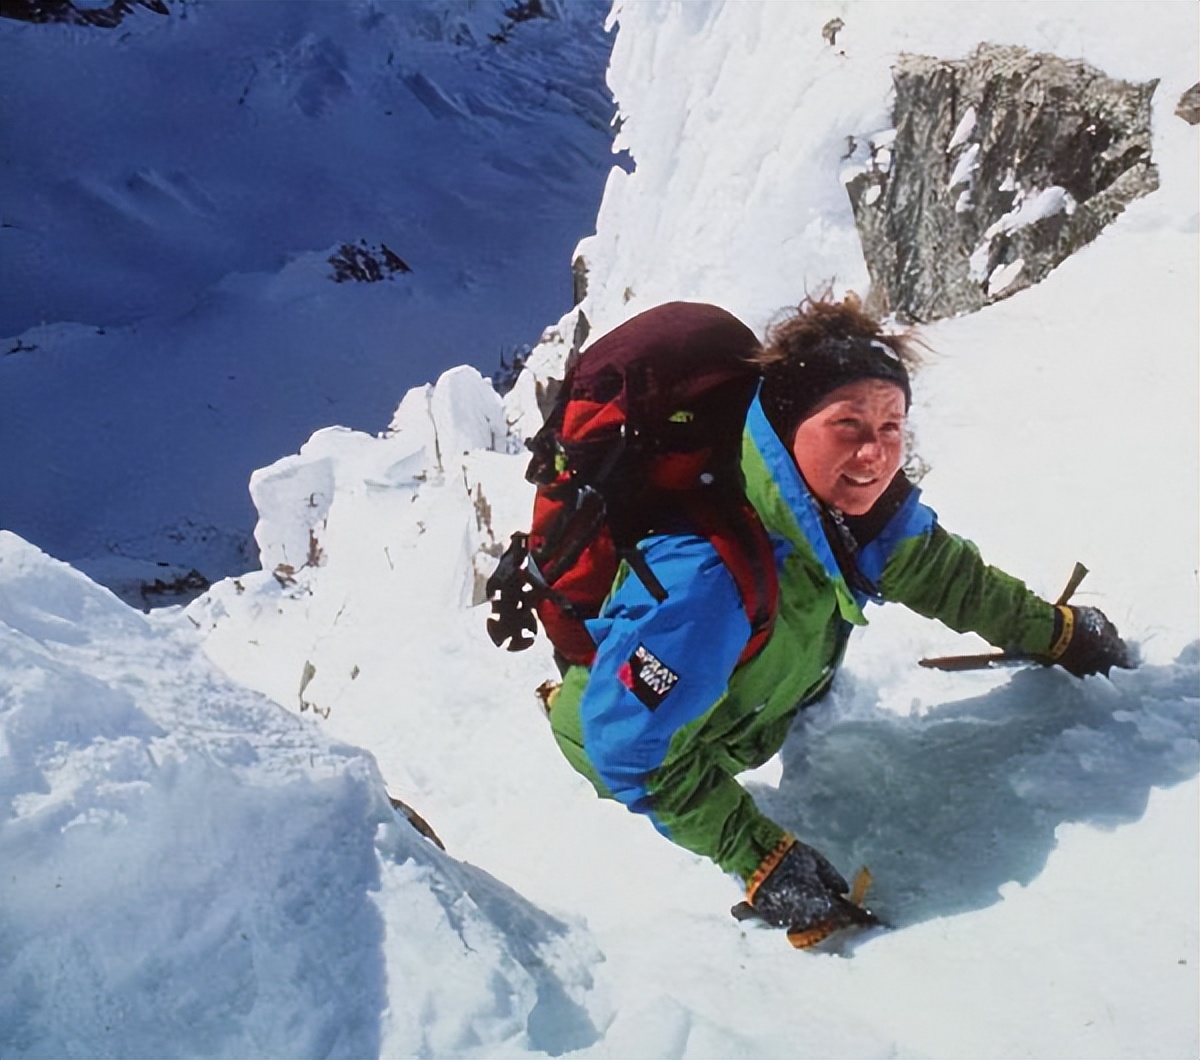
736	532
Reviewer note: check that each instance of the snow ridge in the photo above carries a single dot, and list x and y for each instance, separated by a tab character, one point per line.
202	871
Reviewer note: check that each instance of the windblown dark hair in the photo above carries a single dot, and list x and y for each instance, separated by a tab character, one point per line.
821	345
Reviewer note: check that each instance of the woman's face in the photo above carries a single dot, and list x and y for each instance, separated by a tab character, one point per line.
850	448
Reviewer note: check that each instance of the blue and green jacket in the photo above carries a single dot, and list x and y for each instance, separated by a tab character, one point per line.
665	718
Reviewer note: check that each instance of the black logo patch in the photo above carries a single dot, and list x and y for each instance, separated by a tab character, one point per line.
648	677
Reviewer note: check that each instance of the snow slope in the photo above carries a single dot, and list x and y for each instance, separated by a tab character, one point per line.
1033	837
191	870
173	190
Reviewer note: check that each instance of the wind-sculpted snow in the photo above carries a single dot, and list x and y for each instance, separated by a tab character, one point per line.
740	138
191	870
911	796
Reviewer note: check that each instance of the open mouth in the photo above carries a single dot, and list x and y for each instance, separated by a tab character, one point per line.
853	480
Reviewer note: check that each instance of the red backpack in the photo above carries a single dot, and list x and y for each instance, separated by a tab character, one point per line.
645	437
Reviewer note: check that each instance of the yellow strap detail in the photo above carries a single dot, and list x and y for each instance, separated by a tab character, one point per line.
547	693
767	865
805	938
809	937
862	883
1064	637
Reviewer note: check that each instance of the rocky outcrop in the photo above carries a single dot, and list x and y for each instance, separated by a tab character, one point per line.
997	169
366	264
1188	107
88	15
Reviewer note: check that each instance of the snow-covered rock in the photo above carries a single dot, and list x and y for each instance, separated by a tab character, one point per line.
1049	149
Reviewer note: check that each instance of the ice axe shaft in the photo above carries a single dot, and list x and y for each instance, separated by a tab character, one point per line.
1077	575
988	660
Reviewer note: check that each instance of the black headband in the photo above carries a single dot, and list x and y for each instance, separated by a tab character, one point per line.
793	387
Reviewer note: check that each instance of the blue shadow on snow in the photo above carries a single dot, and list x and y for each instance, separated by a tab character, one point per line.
948	806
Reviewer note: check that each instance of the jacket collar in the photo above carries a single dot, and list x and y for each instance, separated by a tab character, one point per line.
788	508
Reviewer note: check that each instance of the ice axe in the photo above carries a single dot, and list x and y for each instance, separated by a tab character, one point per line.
988	660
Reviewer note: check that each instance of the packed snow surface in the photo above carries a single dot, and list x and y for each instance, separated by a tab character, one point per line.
199	857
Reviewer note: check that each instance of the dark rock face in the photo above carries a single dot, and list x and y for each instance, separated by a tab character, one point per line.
999	167
1188	107
64	11
365	264
579	279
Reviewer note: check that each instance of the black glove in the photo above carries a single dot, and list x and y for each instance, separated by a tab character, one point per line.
798	889
1086	642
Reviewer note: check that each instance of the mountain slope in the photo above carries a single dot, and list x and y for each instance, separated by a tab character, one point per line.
175	190
1033	837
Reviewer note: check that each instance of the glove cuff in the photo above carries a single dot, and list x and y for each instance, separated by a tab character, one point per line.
768	865
1065	626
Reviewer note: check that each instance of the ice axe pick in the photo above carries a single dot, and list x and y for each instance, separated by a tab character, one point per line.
988	660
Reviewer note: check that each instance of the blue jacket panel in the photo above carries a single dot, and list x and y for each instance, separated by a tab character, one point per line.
659	664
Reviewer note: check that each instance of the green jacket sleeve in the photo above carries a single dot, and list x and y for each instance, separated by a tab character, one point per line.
696	798
942	576
639	723
707	811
